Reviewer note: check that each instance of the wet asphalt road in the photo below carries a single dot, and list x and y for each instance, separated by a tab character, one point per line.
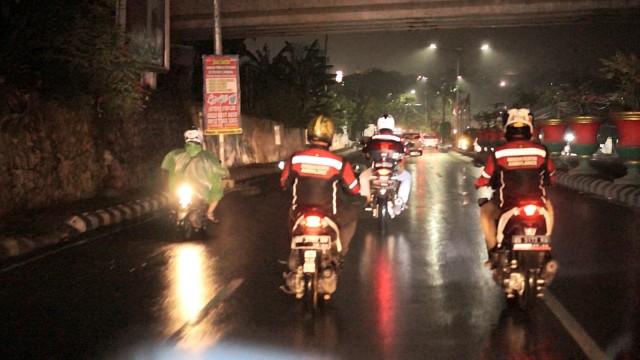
419	292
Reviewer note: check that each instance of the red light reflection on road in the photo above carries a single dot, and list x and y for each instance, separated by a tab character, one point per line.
386	315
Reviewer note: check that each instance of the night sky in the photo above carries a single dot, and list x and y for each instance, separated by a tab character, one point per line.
518	55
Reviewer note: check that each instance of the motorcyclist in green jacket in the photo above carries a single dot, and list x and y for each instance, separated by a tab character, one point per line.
202	169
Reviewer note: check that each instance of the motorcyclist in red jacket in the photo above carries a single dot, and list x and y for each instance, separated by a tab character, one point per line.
319	178
517	169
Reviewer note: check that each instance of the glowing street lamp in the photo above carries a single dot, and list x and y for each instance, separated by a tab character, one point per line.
458	78
484	47
426	99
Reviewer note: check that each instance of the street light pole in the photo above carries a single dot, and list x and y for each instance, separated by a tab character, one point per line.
457	107
426	100
426	104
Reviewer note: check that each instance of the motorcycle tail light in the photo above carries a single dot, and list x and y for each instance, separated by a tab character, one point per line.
530	210
313	221
384	172
530	231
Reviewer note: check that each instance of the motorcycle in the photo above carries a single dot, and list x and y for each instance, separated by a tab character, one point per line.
524	265
188	214
315	249
384	189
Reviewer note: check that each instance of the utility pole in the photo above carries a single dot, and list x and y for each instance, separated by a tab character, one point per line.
426	105
217	45
457	106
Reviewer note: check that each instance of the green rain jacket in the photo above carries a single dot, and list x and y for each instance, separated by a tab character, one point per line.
199	168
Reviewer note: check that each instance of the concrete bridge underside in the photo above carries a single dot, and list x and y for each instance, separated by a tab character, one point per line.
192	20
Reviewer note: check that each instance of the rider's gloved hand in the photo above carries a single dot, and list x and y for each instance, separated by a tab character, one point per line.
482	201
485	193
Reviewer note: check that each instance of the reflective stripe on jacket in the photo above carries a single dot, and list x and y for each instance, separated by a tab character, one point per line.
516	170
316	177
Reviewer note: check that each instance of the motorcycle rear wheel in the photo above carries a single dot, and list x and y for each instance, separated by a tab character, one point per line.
185	231
529	297
311	299
383	216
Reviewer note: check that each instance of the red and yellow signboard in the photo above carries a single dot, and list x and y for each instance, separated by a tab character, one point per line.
221	103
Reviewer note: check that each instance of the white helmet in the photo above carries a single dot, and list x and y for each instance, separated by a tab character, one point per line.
193	135
386	122
519	118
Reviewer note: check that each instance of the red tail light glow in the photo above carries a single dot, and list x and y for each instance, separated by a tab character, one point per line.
530	210
313	221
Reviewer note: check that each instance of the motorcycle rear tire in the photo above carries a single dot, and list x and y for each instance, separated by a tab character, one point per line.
311	298
185	231
529	297
383	216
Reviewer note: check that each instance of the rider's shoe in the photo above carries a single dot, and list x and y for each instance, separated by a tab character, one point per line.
489	265
492	259
398	206
292	281
286	290
338	264
368	206
212	219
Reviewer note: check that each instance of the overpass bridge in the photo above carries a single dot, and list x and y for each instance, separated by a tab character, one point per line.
192	20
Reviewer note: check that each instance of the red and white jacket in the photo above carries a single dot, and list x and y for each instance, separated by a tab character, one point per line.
517	170
318	177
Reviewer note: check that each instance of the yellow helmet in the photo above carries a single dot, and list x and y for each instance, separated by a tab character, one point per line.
321	128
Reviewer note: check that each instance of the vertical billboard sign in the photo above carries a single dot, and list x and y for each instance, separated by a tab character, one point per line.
221	103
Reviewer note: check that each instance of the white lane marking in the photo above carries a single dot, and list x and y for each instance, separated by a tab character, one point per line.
586	343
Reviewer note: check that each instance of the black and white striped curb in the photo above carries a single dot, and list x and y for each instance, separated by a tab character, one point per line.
626	194
87	221
81	223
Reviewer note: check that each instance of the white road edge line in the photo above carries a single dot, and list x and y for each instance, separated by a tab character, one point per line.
72	244
586	343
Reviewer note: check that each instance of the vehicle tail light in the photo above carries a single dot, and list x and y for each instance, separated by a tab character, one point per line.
313	221
384	172
530	210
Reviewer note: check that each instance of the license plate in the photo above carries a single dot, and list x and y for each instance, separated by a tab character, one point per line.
531	242
309	265
311	241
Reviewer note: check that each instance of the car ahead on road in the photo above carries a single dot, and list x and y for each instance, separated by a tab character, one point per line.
430	141
413	143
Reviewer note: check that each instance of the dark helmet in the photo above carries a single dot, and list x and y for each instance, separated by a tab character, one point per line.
519	125
321	128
